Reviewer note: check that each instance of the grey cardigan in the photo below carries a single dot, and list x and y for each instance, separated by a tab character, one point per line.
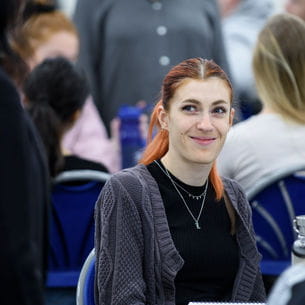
136	259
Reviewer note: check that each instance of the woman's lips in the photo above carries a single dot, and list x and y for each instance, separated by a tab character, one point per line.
203	140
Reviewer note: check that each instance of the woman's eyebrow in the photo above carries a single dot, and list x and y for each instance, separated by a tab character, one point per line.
220	102
194	101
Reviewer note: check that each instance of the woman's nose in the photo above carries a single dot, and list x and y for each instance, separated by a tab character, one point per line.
205	122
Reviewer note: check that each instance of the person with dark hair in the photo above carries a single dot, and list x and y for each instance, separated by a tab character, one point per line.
55	92
24	185
170	230
47	32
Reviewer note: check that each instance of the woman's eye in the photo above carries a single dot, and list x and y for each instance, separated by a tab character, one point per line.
189	108
220	110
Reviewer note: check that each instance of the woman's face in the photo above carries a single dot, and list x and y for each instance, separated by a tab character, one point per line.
198	120
60	44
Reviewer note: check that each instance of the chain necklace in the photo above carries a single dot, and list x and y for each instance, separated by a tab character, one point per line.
197	197
196	220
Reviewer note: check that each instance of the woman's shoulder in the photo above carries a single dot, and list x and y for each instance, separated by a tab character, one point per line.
237	196
256	124
132	179
134	173
232	186
134	185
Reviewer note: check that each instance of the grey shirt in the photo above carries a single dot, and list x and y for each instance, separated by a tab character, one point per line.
136	259
260	148
127	47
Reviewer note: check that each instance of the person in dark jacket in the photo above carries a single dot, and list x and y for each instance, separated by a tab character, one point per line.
24	185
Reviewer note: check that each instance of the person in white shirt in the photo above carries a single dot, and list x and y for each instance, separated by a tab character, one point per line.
273	140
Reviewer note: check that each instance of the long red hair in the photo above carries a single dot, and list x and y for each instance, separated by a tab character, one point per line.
157	146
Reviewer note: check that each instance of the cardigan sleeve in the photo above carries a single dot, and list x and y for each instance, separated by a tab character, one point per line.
258	292
119	248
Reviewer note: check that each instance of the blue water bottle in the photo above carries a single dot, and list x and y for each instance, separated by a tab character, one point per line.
131	139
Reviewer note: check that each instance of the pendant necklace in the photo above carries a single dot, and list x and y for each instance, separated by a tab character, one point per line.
197	197
196	219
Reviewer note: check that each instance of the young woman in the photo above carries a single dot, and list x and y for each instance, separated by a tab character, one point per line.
169	230
275	144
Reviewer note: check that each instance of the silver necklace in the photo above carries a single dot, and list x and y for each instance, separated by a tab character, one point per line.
197	197
196	220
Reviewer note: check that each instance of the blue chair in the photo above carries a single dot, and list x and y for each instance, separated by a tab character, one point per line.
72	224
275	203
85	285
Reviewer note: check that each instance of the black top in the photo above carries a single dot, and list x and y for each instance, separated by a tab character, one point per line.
211	253
73	162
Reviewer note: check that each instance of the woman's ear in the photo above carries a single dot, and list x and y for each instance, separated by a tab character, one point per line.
231	118
163	117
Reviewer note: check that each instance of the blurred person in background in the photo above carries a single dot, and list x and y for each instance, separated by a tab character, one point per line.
241	22
47	32
126	47
24	184
55	92
296	7
266	143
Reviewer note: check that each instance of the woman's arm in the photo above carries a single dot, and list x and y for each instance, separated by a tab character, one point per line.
119	246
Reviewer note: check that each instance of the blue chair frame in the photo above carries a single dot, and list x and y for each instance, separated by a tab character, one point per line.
72	224
85	285
275	203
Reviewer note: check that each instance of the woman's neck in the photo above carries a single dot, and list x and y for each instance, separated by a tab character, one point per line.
190	173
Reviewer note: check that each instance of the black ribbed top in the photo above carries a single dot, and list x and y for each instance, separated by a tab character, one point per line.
211	253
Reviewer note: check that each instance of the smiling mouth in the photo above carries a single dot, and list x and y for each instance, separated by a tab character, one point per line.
203	140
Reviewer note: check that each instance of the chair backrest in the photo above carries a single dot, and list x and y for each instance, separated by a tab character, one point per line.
85	285
72	223
275	203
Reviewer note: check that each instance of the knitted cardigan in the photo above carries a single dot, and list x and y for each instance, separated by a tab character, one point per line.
136	259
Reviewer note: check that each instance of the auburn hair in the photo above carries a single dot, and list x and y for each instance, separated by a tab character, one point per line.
42	21
157	146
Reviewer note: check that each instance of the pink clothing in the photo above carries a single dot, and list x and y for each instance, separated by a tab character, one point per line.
88	139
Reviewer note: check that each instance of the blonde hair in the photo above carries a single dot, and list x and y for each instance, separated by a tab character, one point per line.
38	29
279	66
